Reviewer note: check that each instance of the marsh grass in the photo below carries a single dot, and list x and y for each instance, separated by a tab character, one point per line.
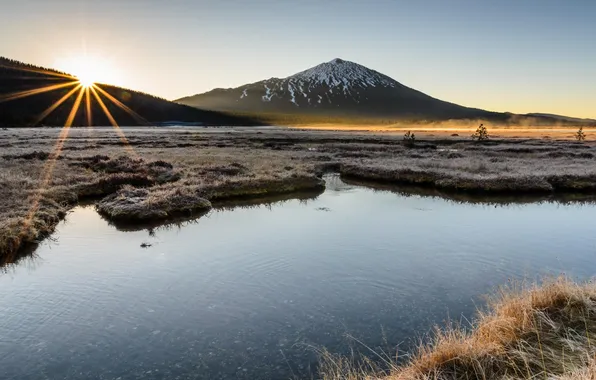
131	204
181	165
543	331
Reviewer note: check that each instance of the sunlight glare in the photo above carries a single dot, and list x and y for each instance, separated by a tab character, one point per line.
89	70
86	81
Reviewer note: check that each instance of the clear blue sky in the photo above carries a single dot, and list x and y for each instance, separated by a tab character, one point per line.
506	55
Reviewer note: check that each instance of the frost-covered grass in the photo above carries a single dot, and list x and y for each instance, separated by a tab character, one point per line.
174	167
543	331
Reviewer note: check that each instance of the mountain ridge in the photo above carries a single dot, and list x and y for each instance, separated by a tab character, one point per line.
341	88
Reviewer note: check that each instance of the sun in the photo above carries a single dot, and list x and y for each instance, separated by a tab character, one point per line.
89	70
86	80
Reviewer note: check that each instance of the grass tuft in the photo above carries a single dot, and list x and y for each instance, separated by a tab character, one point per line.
130	204
542	331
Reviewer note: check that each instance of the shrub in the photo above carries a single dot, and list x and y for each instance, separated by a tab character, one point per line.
409	138
481	133
580	135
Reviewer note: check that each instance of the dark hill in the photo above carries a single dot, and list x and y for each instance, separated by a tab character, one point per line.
17	78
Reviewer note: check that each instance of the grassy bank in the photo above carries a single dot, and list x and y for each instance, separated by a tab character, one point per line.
132	205
160	173
486	198
546	332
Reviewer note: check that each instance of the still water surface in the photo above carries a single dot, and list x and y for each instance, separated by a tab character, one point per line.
250	293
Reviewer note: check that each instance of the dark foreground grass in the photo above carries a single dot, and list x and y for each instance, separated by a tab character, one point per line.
538	332
161	173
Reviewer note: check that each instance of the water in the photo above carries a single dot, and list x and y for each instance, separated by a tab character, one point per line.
250	293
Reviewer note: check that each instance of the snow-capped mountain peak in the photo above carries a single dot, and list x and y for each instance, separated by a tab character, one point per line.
334	88
341	73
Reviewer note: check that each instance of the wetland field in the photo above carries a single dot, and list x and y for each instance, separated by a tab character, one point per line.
266	253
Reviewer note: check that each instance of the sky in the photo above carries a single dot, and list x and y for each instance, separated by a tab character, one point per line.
507	55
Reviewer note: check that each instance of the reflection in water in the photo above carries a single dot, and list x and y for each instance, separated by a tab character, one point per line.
476	198
246	293
229	205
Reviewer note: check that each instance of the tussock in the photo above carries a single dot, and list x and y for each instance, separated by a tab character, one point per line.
130	204
546	331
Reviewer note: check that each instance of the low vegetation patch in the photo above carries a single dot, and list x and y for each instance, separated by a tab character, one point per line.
537	332
159	171
479	179
27	156
262	187
409	139
130	204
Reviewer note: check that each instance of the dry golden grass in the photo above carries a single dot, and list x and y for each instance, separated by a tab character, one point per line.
543	332
586	373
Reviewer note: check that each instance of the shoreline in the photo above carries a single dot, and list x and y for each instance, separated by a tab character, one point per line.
262	194
19	247
173	171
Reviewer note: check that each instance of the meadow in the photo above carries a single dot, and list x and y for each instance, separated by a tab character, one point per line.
155	174
148	176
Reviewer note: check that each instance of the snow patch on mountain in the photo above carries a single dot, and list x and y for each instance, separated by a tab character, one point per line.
330	79
338	72
268	95
291	90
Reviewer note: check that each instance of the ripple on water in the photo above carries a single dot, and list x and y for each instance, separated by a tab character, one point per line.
247	293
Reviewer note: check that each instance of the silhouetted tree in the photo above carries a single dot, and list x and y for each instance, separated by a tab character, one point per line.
580	135
481	133
409	138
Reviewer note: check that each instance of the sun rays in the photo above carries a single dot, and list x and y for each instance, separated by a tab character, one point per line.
84	88
41	90
84	91
111	118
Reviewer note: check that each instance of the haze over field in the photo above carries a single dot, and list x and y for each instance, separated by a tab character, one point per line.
521	57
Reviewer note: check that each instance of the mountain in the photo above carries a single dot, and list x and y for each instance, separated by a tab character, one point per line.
345	89
335	88
564	118
22	101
